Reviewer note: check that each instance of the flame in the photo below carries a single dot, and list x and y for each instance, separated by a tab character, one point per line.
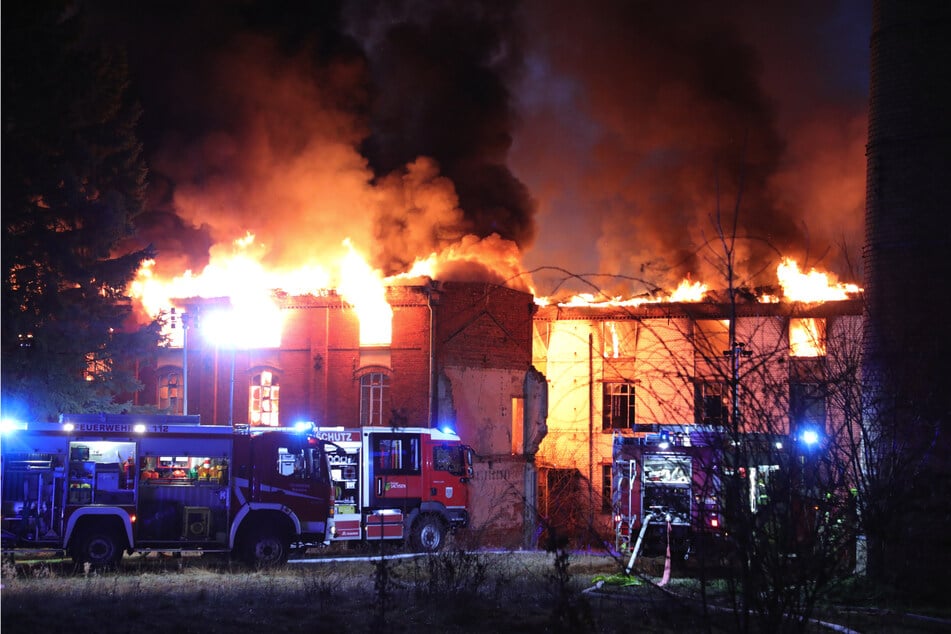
253	318
364	288
686	291
807	337
475	258
812	286
797	286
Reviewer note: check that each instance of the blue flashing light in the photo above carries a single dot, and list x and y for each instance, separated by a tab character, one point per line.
9	425
810	437
446	429
304	426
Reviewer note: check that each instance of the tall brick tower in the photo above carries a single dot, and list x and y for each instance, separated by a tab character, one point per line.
908	293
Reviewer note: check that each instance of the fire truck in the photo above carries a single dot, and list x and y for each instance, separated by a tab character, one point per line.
95	486
669	487
399	483
665	489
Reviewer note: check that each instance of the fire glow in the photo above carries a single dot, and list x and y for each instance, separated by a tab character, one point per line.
252	318
813	286
686	291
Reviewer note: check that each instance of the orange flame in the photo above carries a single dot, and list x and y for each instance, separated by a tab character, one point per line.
363	288
253	319
812	286
686	291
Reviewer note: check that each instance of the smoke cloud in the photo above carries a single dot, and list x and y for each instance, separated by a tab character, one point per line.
606	138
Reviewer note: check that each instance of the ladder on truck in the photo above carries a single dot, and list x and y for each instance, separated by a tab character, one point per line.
624	523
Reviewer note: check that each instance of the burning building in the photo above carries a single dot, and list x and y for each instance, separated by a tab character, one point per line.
453	354
666	375
540	391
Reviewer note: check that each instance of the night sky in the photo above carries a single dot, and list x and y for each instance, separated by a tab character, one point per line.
598	137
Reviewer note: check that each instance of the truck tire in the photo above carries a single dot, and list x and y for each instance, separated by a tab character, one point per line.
98	546
265	547
429	533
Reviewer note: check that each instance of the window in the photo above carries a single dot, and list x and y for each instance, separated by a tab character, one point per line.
807	407
374	398
170	392
807	337
518	426
712	403
449	458
301	463
618	411
396	454
606	494
264	401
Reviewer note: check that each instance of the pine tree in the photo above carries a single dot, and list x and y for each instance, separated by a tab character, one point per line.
73	179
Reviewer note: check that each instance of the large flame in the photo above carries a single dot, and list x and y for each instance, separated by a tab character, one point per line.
363	287
797	286
252	318
813	286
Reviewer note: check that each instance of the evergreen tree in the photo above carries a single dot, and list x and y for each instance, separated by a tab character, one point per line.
73	179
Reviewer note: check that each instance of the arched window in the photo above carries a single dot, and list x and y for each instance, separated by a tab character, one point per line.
169	385
264	400
374	398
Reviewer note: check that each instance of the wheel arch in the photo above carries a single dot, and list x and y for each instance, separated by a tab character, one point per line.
114	519
251	516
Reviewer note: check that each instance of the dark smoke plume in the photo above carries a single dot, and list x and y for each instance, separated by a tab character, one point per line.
598	137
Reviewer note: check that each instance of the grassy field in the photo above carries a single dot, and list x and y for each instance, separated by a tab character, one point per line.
451	592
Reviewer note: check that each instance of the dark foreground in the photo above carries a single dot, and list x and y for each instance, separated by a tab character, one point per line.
451	592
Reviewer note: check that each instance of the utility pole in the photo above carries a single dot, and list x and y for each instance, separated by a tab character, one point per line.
185	319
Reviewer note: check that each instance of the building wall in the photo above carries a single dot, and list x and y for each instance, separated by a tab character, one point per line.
522	385
460	355
662	352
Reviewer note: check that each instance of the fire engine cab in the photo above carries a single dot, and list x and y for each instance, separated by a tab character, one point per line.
394	483
97	485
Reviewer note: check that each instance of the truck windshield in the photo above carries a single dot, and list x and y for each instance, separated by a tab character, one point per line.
454	459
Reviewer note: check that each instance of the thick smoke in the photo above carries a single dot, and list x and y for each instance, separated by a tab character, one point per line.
598	138
671	116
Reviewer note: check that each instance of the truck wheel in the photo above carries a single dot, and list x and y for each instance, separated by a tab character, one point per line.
429	533
265	548
99	547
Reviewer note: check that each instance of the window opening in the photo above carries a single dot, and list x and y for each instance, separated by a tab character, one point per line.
618	411
264	401
170	392
374	398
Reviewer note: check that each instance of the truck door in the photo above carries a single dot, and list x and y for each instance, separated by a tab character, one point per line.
395	470
446	474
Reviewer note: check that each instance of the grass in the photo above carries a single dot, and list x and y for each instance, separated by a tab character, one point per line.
454	591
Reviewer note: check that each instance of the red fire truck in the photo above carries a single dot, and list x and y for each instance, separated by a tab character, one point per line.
97	485
670	486
664	488
394	483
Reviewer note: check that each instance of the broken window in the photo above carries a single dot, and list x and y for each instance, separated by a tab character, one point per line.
807	337
807	407
712	403
264	401
618	411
